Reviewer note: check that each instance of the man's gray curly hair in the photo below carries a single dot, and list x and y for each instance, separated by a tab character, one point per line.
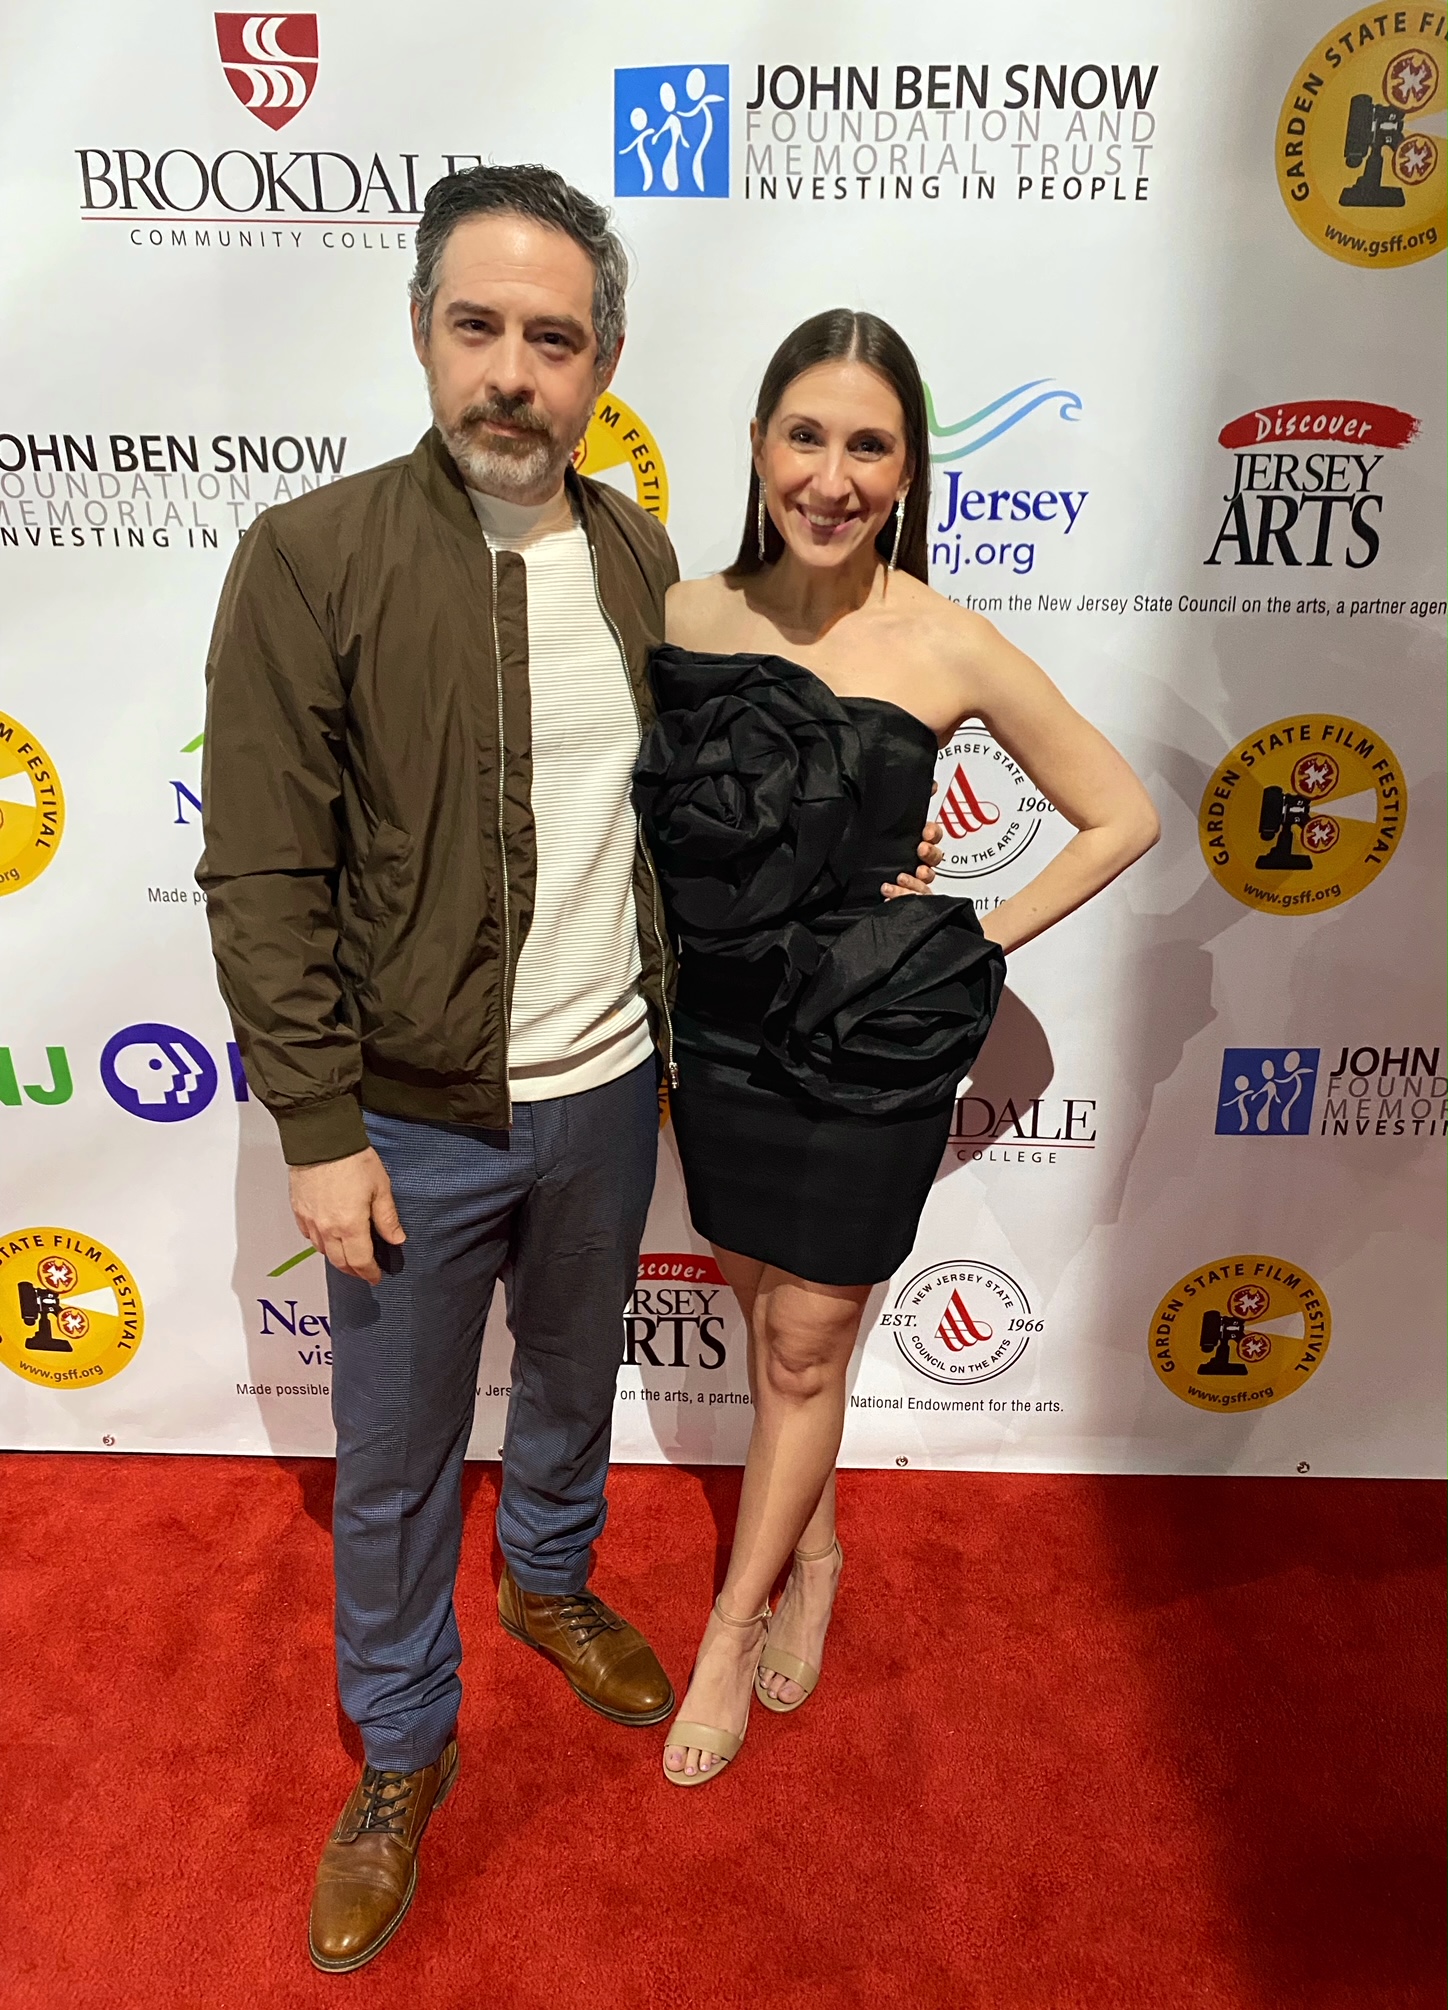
544	197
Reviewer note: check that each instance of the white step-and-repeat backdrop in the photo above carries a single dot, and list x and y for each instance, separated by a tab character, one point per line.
1174	278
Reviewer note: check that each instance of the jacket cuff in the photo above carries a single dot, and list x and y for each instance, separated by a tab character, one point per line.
330	1130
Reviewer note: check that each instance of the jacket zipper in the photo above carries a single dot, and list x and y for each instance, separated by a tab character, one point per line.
671	1066
502	841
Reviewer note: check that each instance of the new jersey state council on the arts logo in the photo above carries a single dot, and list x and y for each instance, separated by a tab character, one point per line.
1360	148
70	1312
1303	814
32	808
961	1323
1240	1333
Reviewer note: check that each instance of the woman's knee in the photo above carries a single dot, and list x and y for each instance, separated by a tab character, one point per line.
800	1355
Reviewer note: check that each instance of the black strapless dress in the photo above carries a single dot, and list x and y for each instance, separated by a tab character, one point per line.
820	1029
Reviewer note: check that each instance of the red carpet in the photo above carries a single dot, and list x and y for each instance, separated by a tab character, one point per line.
1079	1742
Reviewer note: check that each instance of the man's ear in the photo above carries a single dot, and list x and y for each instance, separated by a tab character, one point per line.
604	373
419	340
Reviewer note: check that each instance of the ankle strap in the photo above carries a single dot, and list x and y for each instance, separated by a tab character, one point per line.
753	1620
831	1548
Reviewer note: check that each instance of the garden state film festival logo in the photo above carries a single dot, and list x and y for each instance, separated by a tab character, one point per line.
32	808
1360	149
1303	815
270	62
70	1313
1240	1333
671	130
962	1323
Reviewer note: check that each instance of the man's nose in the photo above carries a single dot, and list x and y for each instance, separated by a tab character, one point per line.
510	368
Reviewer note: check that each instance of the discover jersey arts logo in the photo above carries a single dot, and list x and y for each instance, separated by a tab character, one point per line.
1307	485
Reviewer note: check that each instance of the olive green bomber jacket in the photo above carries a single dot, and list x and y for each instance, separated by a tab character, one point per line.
370	856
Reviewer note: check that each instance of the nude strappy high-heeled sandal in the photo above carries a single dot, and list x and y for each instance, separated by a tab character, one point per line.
775	1661
707	1737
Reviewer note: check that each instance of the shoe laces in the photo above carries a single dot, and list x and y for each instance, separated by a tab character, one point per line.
586	1616
386	1799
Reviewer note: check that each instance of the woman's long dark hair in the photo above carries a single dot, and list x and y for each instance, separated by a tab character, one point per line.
844	335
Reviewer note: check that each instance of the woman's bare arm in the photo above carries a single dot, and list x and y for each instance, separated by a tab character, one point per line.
1071	764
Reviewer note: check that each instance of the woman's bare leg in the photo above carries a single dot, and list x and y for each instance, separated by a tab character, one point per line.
801	1336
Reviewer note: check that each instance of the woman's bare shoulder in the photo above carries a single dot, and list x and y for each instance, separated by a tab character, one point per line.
695	610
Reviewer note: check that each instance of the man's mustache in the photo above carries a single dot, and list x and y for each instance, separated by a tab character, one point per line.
505	412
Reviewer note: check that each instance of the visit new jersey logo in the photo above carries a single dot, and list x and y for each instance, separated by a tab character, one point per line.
270	62
671	130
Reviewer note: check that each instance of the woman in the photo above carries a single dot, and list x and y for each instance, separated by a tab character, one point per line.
821	1033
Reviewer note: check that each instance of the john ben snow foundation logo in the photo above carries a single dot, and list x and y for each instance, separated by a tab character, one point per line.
1371	1091
270	62
1267	1091
32	808
671	130
1305	483
1303	815
1360	149
1240	1333
70	1313
962	1323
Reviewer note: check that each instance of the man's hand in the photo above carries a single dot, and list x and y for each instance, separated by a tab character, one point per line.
930	855
338	1203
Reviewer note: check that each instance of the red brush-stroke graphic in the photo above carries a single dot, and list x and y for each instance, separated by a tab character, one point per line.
1321	422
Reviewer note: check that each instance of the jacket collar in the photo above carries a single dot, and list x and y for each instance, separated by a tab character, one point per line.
437	474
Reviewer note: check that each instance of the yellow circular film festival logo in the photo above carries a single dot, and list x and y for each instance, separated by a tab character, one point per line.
1240	1333
70	1313
32	808
617	437
1361	157
1304	814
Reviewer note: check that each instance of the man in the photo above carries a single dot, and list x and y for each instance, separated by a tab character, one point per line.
442	945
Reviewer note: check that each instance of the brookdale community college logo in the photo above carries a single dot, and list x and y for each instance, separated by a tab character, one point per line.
1240	1333
1304	483
32	808
961	1323
989	807
1303	815
70	1313
270	62
618	438
671	130
1267	1091
1360	148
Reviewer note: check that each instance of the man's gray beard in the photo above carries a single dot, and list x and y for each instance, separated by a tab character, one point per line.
511	469
521	468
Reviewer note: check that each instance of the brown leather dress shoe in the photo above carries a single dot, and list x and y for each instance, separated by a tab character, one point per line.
608	1663
368	1871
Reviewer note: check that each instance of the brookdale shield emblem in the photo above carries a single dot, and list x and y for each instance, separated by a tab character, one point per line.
270	62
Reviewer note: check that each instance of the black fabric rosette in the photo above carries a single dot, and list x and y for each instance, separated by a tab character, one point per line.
748	787
887	1017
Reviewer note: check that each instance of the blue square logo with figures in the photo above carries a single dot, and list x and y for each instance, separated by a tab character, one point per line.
1267	1092
671	130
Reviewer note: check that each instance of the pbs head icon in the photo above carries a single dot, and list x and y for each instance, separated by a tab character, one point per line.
158	1072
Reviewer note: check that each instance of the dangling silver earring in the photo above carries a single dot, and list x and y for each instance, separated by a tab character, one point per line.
899	522
761	523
